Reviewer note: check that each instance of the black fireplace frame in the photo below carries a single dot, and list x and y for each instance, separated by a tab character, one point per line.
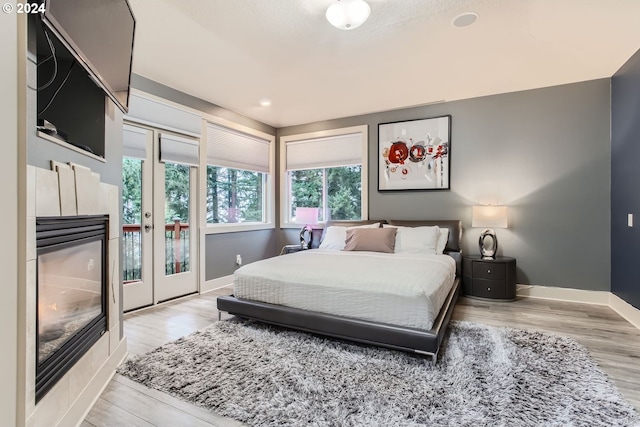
55	233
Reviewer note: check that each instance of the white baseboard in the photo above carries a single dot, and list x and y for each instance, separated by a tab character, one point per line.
617	304
625	309
213	284
563	294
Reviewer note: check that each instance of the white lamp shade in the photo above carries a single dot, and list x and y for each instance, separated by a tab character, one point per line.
489	217
307	216
348	14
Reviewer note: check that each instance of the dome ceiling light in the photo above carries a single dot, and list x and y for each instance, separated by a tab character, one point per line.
465	19
348	14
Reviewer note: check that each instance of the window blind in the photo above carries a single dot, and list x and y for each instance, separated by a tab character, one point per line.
327	152
134	142
232	149
163	116
178	150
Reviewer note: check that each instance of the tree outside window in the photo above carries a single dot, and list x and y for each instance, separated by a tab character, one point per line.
234	195
337	191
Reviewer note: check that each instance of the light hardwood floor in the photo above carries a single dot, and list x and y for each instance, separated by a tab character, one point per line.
613	342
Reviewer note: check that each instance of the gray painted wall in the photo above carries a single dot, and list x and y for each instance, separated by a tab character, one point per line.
544	153
625	174
220	249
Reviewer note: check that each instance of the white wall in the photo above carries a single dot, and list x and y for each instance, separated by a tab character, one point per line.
9	170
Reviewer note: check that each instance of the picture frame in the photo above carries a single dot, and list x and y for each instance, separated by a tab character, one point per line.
415	154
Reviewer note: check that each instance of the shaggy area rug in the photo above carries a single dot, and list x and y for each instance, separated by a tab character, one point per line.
485	376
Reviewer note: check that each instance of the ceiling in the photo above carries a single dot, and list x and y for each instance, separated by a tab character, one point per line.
234	52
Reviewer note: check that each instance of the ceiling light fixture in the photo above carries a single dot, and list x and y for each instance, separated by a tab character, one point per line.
465	19
348	14
265	102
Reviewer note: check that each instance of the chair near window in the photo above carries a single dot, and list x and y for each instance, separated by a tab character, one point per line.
308	217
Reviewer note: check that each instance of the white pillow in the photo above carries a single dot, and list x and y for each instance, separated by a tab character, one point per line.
442	240
335	236
422	240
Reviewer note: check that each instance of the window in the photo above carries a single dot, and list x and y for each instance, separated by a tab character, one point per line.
327	170
237	177
337	191
234	195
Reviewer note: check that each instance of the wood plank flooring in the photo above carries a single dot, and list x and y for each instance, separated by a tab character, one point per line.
613	342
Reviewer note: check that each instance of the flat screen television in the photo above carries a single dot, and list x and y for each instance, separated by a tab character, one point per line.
100	35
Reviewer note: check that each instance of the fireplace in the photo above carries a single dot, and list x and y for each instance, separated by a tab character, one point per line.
71	280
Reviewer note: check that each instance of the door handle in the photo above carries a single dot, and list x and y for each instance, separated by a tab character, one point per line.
147	228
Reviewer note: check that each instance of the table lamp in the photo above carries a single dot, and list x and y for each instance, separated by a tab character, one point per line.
489	217
308	217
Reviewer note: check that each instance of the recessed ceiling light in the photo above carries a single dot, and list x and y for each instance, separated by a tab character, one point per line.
265	102
465	19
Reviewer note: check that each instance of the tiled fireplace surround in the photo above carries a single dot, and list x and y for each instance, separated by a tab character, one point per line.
69	190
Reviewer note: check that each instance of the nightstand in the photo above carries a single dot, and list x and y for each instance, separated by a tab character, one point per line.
289	249
489	278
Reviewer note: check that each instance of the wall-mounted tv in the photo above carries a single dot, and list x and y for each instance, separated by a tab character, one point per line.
99	33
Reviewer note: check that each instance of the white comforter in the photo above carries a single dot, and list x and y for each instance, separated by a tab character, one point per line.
400	289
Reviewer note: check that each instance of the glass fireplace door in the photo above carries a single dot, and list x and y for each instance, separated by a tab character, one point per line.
69	293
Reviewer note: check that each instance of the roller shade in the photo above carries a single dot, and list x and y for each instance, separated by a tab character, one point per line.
178	150
163	116
333	151
134	142
232	149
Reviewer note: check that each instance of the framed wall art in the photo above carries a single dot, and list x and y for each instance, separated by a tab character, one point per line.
414	154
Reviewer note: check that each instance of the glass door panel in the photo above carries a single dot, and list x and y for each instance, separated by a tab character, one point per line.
131	220
158	198
137	204
177	184
175	244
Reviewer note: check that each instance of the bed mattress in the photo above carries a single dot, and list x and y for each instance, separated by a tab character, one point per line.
399	289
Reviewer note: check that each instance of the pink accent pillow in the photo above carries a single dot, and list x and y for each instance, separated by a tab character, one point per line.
371	239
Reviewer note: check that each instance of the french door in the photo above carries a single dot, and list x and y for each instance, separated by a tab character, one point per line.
159	206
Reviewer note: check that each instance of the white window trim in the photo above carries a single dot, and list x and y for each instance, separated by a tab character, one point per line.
269	207
364	178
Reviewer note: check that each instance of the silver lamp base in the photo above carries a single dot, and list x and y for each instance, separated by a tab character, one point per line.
488	251
306	237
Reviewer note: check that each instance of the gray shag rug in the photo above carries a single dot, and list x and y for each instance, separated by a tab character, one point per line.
485	376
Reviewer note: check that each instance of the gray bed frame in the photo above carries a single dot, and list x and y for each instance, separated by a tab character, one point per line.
424	342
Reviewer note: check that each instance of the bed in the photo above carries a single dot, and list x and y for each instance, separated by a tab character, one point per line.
401	301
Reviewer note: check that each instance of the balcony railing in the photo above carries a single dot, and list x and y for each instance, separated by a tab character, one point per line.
176	250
